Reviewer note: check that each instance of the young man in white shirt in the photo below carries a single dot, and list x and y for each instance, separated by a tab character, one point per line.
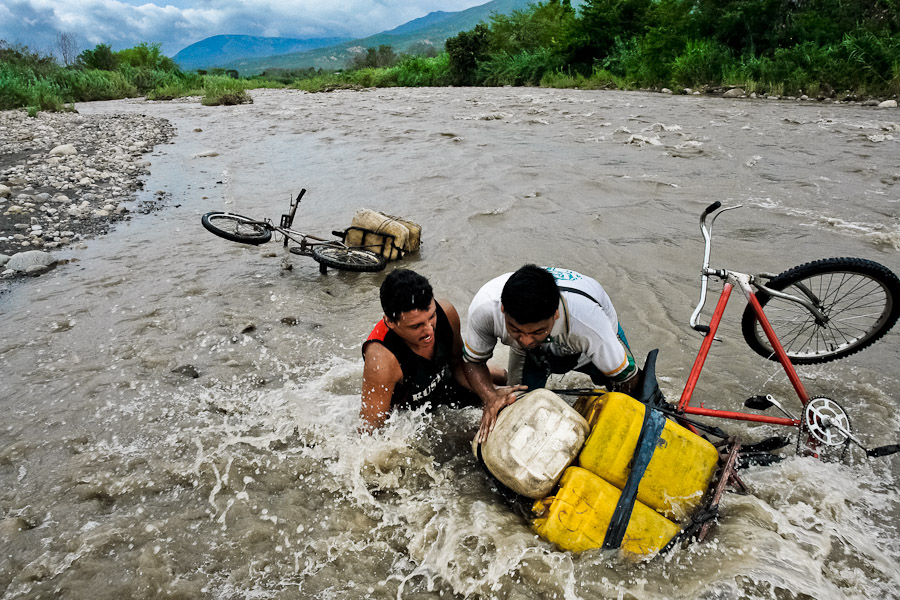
554	321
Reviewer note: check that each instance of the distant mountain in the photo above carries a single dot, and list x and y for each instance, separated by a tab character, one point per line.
219	50
432	29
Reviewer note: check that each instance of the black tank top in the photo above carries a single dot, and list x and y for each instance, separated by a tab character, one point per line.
423	380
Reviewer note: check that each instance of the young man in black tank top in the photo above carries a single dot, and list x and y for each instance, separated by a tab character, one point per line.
414	354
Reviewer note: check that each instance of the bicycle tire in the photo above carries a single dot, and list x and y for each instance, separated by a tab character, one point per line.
861	299
348	259
237	228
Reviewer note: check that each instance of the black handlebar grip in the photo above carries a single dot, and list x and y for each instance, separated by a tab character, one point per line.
712	208
704	329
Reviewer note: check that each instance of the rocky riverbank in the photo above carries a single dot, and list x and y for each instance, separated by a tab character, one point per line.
66	177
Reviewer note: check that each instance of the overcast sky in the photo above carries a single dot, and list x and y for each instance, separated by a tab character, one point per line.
179	23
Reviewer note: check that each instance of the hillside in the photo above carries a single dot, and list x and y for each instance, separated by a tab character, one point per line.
219	50
432	29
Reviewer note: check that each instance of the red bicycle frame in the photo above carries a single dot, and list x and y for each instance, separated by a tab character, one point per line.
684	407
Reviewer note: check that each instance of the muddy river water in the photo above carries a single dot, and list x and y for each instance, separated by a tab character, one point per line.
120	478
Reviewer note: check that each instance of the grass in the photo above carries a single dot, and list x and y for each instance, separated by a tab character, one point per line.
599	79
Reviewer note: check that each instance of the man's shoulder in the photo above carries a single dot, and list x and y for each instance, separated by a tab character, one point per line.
377	353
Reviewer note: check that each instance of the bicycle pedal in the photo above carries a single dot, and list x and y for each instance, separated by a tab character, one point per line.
883	450
757	459
758	403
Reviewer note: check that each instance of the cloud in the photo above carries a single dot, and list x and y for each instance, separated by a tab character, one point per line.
179	23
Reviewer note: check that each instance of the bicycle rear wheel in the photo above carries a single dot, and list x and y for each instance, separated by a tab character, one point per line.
860	299
348	259
237	228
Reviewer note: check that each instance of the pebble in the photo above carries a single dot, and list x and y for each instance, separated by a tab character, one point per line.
30	262
58	169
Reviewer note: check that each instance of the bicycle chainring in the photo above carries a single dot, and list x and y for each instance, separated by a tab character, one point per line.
826	421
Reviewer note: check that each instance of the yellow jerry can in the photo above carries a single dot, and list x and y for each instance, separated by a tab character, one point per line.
679	473
577	517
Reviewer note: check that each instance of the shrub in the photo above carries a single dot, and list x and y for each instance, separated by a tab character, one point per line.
599	79
876	59
524	68
146	56
702	62
221	89
626	62
14	87
420	71
101	58
21	58
45	95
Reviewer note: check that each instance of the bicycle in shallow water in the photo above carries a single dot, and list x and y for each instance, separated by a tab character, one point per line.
814	313
327	252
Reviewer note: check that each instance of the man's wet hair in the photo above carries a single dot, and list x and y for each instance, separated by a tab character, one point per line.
530	295
404	290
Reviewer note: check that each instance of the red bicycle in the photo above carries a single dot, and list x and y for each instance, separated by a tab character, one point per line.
813	313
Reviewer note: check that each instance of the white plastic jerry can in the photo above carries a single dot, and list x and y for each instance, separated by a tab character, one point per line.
533	442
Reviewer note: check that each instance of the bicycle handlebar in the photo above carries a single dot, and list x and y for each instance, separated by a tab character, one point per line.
706	229
710	209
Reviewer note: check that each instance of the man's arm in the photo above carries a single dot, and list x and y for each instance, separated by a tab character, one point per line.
456	360
608	353
630	386
492	398
381	374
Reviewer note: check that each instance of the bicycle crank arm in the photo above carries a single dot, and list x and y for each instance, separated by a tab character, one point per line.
870	452
766	402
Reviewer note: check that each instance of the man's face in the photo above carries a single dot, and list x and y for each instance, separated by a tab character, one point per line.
416	327
530	335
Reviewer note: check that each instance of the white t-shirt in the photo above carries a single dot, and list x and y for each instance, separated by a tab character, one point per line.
584	327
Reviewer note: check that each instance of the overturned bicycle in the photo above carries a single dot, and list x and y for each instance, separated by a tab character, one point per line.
644	474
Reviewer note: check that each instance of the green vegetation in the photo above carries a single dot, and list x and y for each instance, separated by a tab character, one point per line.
823	48
29	80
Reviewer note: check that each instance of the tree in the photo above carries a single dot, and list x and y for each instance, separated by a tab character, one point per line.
374	58
745	26
67	44
465	50
422	48
543	25
147	56
605	21
101	58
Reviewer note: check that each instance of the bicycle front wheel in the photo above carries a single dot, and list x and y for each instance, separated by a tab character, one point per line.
348	259
859	298
236	228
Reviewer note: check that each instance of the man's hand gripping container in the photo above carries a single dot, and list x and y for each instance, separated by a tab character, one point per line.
533	442
673	485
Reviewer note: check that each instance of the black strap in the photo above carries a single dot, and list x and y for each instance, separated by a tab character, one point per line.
580	293
652	427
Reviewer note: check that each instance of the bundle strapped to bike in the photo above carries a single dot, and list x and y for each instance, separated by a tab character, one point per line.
387	235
